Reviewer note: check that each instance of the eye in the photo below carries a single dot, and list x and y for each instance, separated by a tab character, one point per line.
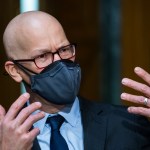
64	50
42	55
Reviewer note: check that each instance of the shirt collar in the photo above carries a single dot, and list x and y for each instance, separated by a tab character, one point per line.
71	114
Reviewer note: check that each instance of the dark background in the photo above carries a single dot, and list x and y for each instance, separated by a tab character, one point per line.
84	24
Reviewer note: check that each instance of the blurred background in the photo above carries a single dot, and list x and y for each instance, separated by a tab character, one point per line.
112	38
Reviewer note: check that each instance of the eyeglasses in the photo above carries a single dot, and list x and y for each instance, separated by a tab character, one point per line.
43	60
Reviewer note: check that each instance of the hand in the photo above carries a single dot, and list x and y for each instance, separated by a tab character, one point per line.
144	89
15	125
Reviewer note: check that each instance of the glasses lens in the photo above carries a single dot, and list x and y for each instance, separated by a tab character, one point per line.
44	60
67	51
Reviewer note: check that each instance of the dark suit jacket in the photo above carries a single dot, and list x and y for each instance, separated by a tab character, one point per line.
109	127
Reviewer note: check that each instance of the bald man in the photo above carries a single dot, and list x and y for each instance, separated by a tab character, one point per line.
40	55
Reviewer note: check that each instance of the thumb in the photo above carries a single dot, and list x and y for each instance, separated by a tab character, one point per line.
2	112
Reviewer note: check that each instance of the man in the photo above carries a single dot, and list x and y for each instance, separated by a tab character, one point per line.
40	56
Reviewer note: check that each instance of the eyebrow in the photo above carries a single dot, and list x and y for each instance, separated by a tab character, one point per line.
43	51
39	52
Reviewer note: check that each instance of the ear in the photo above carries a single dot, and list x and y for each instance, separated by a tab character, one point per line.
13	71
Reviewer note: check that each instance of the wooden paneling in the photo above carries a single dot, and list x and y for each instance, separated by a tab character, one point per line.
9	90
79	19
135	37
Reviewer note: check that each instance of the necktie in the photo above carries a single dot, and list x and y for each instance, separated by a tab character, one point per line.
57	142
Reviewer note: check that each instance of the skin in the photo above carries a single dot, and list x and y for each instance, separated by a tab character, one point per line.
37	33
26	36
143	88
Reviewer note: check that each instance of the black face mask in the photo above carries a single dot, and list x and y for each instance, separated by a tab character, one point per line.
58	83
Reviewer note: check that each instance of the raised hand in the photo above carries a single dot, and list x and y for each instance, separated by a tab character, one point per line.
144	90
15	125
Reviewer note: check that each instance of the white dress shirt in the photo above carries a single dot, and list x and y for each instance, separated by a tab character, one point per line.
71	129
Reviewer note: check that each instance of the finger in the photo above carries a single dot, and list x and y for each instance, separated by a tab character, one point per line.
2	113
134	99
26	112
17	106
142	74
33	133
137	86
140	111
26	126
29	137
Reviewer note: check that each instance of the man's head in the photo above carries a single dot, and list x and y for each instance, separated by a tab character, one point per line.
29	35
34	43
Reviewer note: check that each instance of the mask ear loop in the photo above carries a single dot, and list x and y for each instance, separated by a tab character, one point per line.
24	69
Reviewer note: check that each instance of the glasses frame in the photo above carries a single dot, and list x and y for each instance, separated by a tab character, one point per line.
53	53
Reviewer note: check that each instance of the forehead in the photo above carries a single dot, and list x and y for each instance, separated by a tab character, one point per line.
34	41
27	34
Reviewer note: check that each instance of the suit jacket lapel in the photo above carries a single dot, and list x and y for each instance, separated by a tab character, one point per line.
94	125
